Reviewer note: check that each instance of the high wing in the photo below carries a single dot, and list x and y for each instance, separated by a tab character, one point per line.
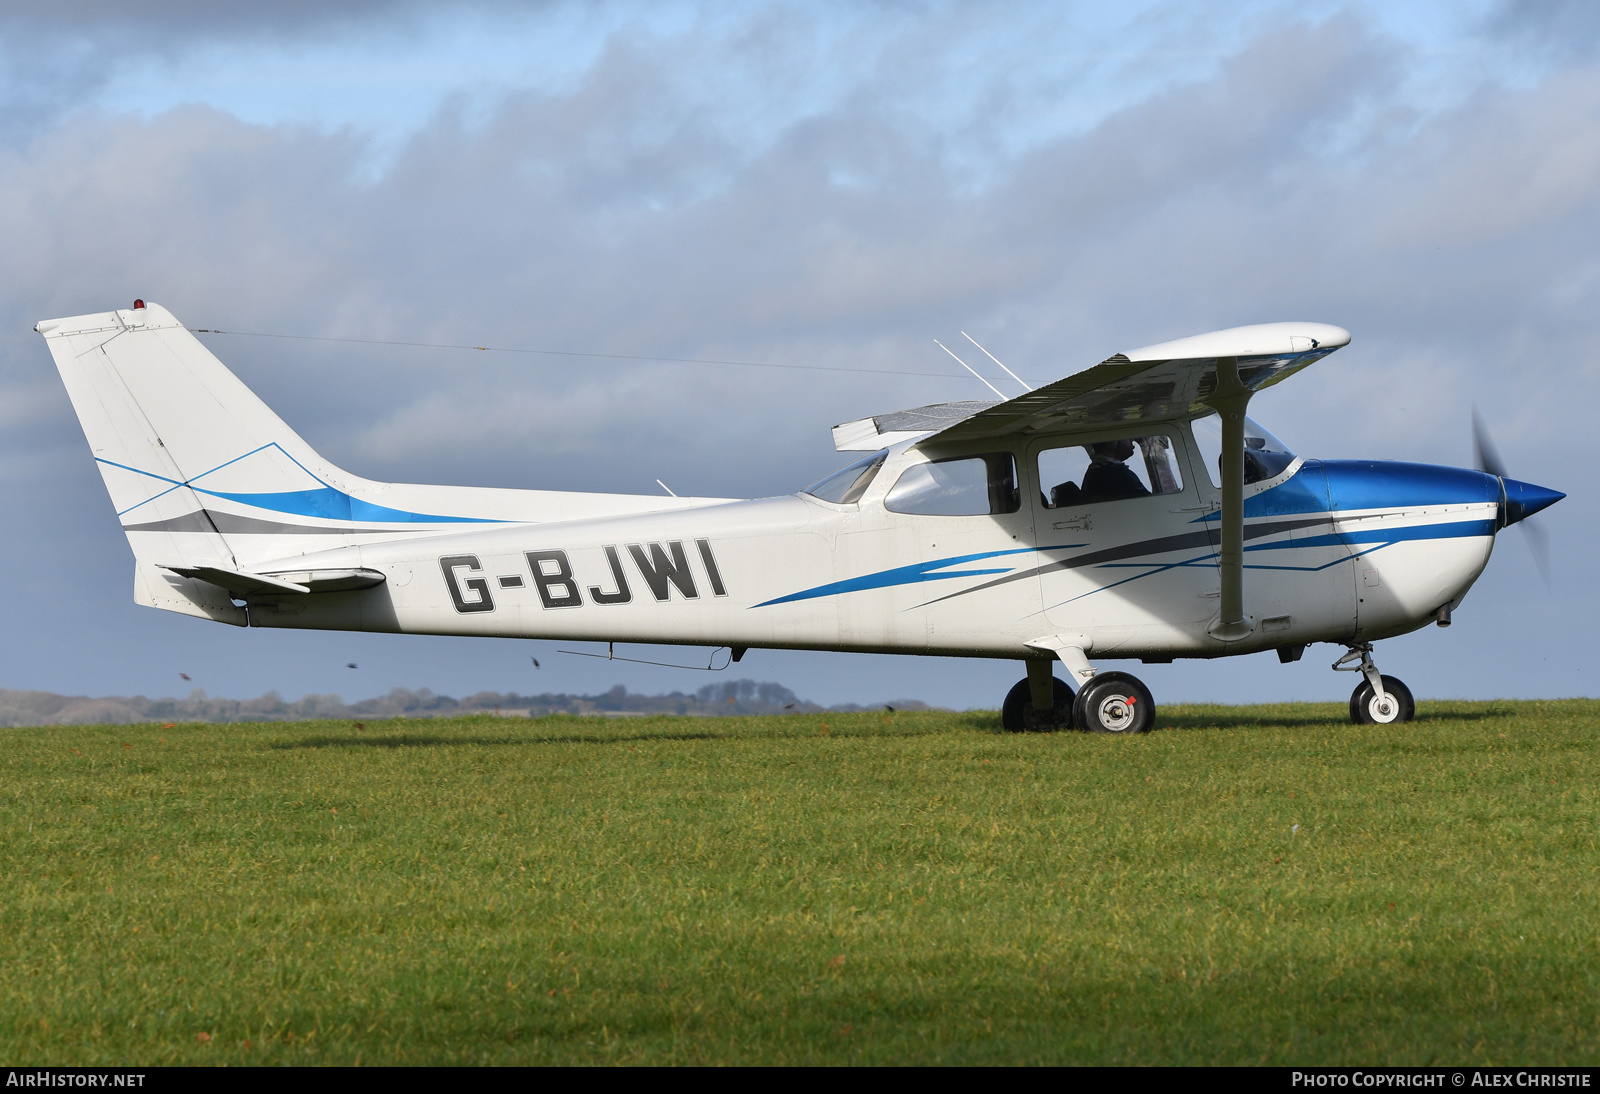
1164	382
882	430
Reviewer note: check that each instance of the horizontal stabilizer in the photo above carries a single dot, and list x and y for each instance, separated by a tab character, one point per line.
297	582
332	581
238	582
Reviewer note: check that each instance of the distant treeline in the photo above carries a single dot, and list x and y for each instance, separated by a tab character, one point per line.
33	708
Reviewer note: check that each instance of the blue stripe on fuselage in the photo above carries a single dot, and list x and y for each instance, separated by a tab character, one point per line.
1322	486
1461	529
325	501
333	504
902	575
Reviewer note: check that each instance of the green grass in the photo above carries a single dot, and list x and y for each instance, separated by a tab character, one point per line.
920	887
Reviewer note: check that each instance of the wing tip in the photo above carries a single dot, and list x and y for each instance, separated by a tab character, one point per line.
1255	340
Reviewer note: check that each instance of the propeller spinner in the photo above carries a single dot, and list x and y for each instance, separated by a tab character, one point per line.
1518	500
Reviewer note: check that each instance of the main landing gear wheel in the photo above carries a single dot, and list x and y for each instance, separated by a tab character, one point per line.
1018	713
1367	708
1114	702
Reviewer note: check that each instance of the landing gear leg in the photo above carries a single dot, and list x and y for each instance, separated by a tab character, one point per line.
1040	703
1378	699
1041	683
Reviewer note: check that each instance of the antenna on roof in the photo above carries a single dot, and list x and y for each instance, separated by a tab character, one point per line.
997	361
970	369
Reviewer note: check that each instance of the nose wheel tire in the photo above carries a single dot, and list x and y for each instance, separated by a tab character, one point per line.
1114	702
1367	709
1018	713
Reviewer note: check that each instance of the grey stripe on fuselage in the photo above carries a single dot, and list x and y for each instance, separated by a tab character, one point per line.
232	524
1206	537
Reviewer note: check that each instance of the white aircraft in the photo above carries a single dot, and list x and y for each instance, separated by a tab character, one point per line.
1131	510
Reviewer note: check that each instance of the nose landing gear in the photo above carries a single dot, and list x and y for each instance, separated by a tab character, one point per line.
1378	699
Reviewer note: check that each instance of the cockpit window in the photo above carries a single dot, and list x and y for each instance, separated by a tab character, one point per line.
846	485
1264	455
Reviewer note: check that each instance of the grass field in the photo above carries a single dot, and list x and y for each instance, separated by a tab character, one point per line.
807	889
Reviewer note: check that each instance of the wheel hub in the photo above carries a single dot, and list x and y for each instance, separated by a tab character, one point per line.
1116	713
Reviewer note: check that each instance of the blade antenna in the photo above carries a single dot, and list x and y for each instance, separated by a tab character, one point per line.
997	361
972	370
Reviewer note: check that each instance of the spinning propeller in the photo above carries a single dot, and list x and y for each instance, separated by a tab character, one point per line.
1518	500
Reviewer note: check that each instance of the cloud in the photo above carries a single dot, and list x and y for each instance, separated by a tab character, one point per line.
1555	28
193	18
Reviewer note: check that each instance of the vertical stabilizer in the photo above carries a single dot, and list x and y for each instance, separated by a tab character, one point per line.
183	447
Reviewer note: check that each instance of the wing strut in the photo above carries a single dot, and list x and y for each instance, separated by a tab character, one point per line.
1229	400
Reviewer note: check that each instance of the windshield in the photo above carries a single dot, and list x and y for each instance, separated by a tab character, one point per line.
846	485
1264	455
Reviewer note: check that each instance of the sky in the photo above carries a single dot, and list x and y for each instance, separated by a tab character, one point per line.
823	185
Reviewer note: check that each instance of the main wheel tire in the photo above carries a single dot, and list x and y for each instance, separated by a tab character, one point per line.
1018	714
1366	710
1114	702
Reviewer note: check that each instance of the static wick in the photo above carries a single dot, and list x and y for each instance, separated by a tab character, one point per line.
665	487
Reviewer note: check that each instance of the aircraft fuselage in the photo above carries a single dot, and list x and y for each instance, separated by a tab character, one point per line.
1337	551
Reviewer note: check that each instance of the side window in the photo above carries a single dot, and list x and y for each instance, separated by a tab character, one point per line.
1134	467
971	486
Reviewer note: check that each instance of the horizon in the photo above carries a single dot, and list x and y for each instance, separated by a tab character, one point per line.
740	697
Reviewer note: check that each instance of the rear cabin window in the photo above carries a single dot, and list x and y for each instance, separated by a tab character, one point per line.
1135	467
970	486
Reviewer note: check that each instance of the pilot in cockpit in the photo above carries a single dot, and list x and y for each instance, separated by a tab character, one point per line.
1109	477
